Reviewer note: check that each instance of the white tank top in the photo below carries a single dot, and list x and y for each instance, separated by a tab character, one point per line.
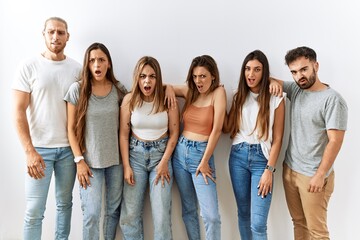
147	125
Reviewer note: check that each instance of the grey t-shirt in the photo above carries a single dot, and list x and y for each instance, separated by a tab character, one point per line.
102	127
312	114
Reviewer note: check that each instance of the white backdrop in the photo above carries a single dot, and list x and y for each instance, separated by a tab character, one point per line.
174	32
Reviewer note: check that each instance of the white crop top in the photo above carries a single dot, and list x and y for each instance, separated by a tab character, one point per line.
147	125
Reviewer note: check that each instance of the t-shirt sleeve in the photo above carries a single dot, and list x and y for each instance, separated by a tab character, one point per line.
22	79
279	99
73	93
336	113
289	88
122	87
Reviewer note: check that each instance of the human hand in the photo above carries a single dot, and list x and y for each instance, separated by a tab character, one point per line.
265	184
83	173
170	97
316	184
162	172
129	175
275	88
206	172
35	164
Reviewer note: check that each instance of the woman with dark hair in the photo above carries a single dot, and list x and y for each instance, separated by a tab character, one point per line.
148	134
202	116
93	107
256	124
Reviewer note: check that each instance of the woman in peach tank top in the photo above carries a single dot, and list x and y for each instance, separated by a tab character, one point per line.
193	160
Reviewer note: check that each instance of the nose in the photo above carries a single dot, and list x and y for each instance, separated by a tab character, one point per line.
251	73
55	36
147	79
299	75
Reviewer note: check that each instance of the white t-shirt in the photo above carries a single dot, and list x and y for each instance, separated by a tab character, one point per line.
248	121
47	82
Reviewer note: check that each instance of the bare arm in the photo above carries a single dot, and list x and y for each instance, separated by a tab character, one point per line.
35	162
219	114
266	180
172	91
174	128
332	149
82	169
125	128
229	119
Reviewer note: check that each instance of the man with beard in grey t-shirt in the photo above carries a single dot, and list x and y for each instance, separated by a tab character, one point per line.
318	123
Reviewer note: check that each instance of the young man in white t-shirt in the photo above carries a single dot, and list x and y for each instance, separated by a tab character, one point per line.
40	119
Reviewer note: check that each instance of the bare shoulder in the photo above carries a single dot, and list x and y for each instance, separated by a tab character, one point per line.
219	92
127	98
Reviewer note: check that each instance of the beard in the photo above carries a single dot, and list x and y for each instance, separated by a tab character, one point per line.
309	81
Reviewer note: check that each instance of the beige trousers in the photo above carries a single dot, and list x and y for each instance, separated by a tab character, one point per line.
308	210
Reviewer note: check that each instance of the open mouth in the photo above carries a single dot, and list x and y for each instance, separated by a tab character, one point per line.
97	72
147	88
251	81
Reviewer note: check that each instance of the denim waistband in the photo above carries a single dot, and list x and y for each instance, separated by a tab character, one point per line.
249	145
155	143
186	141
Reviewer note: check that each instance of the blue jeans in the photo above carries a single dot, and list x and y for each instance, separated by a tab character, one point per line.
61	162
247	164
186	159
144	158
91	202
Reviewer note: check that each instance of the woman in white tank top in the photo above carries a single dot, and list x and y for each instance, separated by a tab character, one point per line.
148	135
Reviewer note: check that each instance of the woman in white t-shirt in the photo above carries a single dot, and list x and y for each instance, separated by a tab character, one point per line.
148	135
256	124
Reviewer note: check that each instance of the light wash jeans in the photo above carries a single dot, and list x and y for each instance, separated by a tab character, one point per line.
61	162
91	202
144	157
247	164
186	159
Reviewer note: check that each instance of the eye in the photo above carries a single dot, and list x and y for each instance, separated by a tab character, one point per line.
91	60
142	76
152	76
202	76
257	69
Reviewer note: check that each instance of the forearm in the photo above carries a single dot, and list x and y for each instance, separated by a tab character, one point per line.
124	151
212	142
74	144
170	146
274	153
331	151
22	128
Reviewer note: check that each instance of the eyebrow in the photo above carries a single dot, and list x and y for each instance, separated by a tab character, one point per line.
303	68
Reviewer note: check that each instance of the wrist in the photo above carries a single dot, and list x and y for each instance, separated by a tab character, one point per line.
270	168
78	159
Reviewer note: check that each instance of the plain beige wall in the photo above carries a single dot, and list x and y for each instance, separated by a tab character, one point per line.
174	32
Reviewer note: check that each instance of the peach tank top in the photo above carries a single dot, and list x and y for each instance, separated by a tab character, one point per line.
199	119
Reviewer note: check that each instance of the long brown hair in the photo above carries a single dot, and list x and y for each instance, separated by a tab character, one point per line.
137	96
85	92
263	117
207	62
